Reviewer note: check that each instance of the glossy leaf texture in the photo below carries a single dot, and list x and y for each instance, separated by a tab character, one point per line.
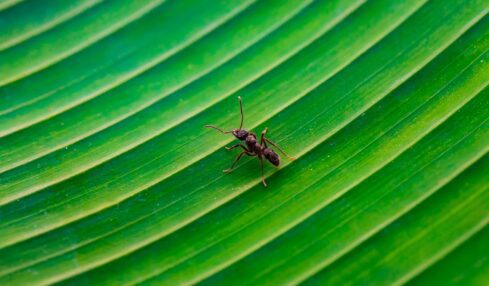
108	176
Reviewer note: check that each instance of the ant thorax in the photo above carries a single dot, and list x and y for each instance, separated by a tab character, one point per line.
250	139
252	143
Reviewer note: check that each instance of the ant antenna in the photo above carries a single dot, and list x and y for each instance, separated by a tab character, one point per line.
240	126
241	109
218	129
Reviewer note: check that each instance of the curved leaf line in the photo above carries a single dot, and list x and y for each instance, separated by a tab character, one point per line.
261	218
468	199
8	4
130	146
47	94
205	154
441	254
116	229
139	141
359	175
468	262
48	24
441	49
284	106
312	211
381	37
95	38
96	69
446	85
318	267
134	73
380	136
440	220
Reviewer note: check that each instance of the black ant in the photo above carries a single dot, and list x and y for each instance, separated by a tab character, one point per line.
252	147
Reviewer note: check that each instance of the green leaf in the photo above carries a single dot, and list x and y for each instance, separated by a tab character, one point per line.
107	175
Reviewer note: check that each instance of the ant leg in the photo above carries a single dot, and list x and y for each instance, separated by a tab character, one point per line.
262	176
280	149
236	161
236	146
264	141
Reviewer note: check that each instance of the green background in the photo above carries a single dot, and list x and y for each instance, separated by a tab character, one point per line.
108	176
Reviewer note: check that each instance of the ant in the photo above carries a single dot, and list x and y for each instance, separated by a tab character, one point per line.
252	147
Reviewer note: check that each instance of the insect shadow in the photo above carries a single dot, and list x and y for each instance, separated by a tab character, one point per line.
252	148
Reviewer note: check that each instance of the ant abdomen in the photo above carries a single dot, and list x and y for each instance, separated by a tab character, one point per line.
271	156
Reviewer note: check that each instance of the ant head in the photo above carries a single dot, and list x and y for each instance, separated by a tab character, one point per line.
250	139
241	134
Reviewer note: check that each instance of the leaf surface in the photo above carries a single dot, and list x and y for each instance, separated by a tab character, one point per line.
107	175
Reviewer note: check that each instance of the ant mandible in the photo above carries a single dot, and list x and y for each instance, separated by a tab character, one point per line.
252	147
